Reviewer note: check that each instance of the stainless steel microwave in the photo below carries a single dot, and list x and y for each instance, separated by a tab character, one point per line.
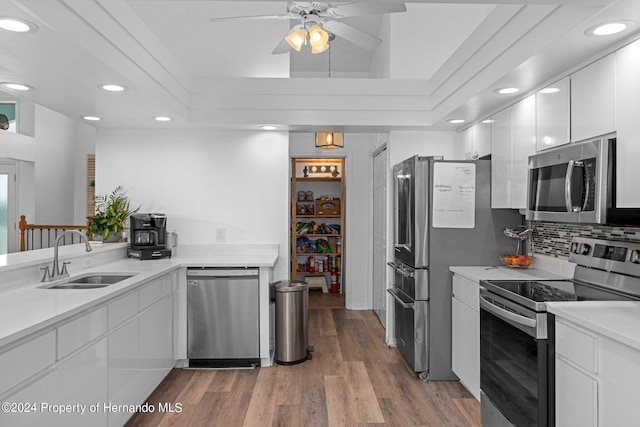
573	183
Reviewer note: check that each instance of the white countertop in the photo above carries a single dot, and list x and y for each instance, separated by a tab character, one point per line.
618	320
504	273
29	308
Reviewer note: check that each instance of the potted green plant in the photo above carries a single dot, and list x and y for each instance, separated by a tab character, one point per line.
112	212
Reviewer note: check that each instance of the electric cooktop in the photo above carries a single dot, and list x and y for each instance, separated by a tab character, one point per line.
535	293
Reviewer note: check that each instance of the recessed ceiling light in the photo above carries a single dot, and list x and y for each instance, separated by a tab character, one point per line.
455	121
269	127
550	90
163	118
507	90
17	25
91	118
16	86
488	121
112	88
608	29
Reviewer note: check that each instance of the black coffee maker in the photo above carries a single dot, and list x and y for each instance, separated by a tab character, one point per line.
148	233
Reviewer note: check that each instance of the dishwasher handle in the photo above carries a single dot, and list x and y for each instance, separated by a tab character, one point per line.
221	273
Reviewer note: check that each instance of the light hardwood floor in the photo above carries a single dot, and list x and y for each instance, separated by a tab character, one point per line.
354	379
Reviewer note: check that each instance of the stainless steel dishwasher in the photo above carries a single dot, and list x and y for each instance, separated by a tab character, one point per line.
222	317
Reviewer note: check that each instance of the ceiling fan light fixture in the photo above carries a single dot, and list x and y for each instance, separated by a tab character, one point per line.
329	140
318	37
320	49
296	38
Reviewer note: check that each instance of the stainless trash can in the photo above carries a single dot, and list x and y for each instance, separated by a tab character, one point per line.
292	301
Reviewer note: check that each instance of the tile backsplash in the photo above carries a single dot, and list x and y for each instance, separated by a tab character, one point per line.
553	238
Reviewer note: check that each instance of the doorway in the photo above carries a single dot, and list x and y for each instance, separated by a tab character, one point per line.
318	229
8	239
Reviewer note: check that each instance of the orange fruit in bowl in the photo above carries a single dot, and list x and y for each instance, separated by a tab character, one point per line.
517	260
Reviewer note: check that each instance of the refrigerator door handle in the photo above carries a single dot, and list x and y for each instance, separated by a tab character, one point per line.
395	295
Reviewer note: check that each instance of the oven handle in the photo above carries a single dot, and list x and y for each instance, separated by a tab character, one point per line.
397	298
505	314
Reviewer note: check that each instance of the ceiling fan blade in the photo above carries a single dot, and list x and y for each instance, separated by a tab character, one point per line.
249	18
282	47
353	35
359	9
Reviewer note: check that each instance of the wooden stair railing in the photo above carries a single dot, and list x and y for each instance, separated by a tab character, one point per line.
47	234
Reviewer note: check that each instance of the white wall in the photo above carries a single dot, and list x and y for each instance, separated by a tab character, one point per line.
85	143
50	192
204	180
54	167
357	152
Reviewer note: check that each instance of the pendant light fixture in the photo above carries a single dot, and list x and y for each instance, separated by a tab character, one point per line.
328	140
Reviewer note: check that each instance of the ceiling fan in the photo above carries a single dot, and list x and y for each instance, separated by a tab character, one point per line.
319	23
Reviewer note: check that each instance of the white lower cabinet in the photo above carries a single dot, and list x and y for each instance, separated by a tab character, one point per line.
465	344
115	354
576	396
595	378
76	384
26	360
156	346
123	370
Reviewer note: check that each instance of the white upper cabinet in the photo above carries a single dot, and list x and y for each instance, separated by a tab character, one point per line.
513	140
628	126
465	140
552	115
593	91
523	145
481	139
475	142
501	159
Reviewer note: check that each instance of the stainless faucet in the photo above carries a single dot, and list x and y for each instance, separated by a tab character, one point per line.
56	270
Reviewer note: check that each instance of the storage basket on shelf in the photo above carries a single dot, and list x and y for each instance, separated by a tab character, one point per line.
327	206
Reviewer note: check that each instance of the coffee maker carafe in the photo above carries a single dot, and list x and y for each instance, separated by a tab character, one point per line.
148	236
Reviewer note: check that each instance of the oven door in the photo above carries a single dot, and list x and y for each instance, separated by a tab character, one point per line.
411	330
570	183
513	363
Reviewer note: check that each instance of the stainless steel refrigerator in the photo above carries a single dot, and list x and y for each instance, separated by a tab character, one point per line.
442	217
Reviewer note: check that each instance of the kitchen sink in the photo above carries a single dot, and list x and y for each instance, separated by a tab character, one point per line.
101	279
89	281
76	286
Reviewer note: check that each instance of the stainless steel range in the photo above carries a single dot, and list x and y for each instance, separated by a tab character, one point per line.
517	372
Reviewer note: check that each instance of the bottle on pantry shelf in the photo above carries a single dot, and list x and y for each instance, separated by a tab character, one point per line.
338	245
